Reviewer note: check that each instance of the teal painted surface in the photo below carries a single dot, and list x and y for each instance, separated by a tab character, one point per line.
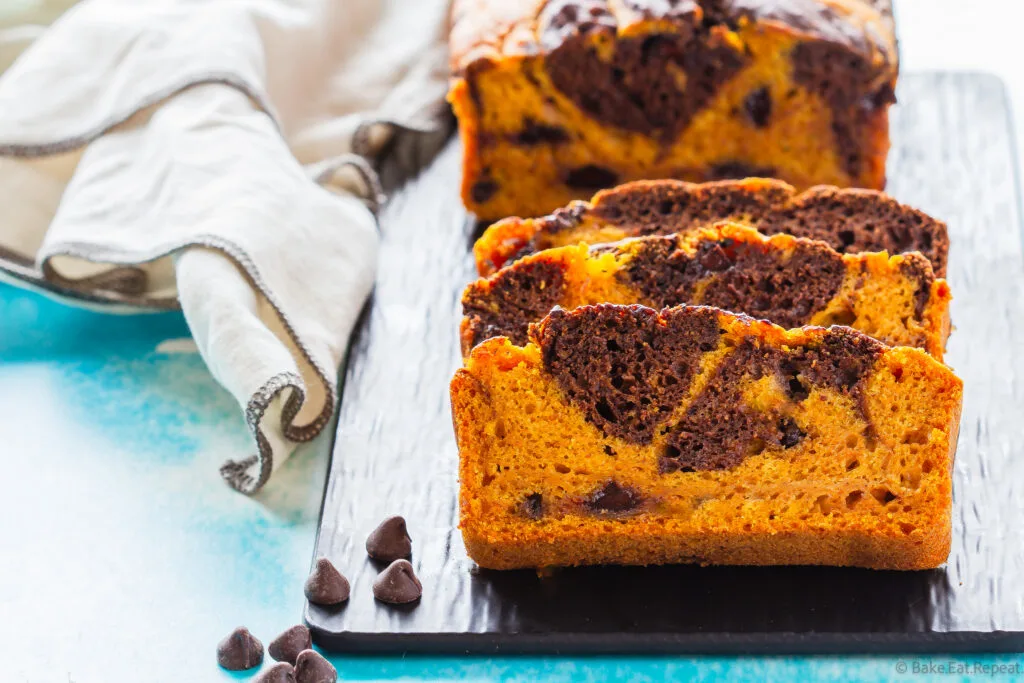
124	558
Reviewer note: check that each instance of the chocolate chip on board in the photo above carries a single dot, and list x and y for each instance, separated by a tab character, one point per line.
326	585
389	541
282	672
287	646
397	585
311	667
240	651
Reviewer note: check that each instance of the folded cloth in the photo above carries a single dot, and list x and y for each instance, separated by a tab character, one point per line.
221	155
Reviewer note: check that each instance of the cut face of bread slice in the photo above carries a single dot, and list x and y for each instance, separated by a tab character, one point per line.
848	220
626	436
786	280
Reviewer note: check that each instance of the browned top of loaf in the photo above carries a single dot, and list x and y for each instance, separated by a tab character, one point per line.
848	220
488	30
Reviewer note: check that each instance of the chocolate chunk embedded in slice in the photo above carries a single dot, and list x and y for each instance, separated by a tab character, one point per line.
758	107
287	646
240	651
536	133
483	190
591	177
792	435
614	499
398	585
533	506
389	541
326	585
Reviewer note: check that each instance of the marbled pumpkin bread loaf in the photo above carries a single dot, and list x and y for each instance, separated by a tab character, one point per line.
789	281
620	435
848	220
558	98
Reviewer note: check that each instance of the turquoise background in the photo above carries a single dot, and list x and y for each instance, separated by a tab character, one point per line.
123	557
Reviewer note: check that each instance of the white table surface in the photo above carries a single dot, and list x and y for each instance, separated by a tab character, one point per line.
971	35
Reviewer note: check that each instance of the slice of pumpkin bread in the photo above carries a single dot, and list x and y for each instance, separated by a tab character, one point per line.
786	280
621	435
848	220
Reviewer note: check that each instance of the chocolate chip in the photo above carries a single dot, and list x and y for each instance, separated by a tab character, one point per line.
791	433
790	374
311	667
591	177
758	106
282	672
483	190
882	97
389	541
614	499
533	506
534	133
713	257
397	584
240	651
326	585
287	646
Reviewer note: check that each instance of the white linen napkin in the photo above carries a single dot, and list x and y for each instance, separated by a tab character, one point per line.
218	154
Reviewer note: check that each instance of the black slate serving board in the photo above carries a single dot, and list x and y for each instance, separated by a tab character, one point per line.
953	156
